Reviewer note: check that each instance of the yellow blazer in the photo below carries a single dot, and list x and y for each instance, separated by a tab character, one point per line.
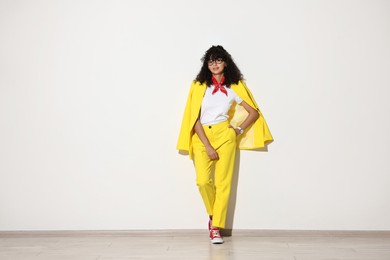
255	136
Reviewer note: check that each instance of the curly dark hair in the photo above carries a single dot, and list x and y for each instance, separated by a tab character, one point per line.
231	72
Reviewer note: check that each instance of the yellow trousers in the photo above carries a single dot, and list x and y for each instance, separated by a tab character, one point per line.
215	188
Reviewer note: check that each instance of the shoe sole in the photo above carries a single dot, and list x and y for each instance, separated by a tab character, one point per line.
217	241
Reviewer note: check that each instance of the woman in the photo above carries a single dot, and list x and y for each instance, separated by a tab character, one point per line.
220	113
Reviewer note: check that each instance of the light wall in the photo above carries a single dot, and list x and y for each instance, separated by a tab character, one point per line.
92	94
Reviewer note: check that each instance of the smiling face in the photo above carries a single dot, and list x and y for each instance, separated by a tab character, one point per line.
216	66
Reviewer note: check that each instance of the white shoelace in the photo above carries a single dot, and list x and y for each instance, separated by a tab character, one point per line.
216	233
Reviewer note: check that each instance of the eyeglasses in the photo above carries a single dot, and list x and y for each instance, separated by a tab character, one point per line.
217	61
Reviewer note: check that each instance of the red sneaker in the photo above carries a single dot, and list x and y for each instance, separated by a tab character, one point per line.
215	236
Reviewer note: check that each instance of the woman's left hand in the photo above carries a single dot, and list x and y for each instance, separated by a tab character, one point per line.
235	130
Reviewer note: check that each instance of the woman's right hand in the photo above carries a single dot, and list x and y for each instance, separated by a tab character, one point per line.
213	155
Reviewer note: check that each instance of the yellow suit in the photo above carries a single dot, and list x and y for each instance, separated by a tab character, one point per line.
255	136
215	192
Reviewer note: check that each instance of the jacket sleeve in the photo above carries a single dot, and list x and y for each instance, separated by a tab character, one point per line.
183	142
258	134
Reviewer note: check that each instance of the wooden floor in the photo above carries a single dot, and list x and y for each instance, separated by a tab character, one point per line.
117	245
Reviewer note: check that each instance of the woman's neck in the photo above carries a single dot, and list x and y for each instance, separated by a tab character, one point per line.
218	77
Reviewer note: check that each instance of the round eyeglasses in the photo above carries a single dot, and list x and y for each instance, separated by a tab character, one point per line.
217	61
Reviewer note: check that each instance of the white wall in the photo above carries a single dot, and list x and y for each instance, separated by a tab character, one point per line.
92	94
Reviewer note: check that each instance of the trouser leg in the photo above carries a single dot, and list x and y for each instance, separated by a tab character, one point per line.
204	180
222	180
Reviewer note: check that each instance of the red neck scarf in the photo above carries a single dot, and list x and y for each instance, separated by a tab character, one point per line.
218	85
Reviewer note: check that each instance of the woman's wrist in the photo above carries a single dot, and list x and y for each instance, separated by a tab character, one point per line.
239	130
208	146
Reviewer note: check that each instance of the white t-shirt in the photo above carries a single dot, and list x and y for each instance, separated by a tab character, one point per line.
215	107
